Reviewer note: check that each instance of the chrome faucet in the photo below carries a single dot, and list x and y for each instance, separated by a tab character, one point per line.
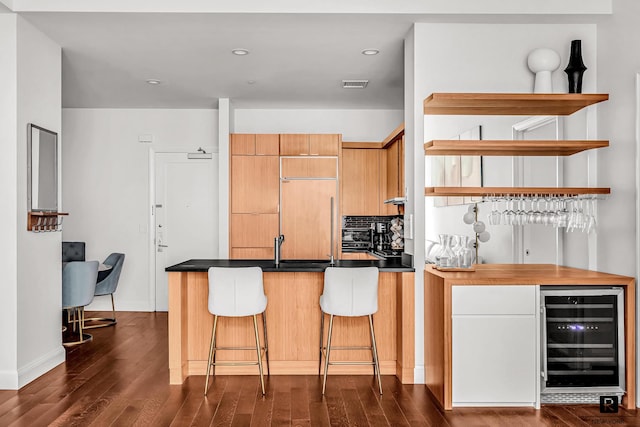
277	242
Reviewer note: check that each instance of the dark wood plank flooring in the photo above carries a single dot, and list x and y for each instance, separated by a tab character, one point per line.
121	378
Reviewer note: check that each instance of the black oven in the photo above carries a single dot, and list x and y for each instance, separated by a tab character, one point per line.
583	341
356	239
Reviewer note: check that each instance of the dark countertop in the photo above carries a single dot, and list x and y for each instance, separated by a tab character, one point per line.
313	266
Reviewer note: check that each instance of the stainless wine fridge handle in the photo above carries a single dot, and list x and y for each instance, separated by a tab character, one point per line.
543	309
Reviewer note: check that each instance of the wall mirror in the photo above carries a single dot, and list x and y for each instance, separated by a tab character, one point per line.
42	169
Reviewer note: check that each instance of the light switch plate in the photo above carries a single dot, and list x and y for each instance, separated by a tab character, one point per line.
145	138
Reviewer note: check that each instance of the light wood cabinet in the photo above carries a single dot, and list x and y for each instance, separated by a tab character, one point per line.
361	181
309	144
253	230
255	195
254	184
255	144
394	166
251	253
306	218
309	167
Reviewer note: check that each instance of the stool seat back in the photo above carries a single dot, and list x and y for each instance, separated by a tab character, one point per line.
236	292
350	291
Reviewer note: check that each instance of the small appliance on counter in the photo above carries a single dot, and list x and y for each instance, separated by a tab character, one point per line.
381	236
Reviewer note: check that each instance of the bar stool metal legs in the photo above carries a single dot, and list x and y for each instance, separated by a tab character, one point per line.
374	350
213	348
327	352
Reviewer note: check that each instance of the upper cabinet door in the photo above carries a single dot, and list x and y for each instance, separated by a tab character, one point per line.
256	184
324	144
267	144
249	144
294	144
309	145
243	144
360	182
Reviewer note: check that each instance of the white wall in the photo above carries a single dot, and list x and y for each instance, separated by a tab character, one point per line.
492	58
105	177
39	102
473	58
31	301
8	195
618	63
354	125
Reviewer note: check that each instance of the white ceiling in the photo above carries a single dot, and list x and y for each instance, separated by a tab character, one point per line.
296	60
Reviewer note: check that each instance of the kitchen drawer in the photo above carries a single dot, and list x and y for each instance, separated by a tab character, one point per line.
493	300
253	230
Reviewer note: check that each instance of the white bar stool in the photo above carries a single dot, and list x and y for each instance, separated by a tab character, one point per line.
237	292
350	292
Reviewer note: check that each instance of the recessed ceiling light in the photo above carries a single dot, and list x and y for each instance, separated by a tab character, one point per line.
153	81
240	52
370	52
251	82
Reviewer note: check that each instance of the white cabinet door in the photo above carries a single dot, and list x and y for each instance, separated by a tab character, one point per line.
494	339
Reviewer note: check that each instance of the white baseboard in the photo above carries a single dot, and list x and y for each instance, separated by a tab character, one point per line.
418	375
103	303
8	380
35	369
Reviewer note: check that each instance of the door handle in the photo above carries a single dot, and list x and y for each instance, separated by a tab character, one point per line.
163	246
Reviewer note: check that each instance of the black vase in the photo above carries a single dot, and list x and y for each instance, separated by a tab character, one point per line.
576	68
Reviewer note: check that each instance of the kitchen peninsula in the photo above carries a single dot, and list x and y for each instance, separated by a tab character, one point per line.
293	291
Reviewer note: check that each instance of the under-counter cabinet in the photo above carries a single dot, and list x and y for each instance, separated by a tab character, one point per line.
494	351
481	331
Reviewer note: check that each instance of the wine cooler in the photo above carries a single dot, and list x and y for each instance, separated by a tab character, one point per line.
582	344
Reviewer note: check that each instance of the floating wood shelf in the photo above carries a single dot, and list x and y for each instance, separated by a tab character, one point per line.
506	191
510	104
509	148
44	221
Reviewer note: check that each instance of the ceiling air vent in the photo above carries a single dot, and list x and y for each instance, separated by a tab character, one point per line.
354	84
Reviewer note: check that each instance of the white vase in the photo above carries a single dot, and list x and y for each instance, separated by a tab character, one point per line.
543	62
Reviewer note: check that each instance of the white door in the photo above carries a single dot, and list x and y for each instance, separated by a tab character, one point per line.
186	214
542	243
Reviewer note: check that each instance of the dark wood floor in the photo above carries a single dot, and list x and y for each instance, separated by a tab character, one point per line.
121	379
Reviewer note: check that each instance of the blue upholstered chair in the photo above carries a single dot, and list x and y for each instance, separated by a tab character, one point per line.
107	285
78	286
72	251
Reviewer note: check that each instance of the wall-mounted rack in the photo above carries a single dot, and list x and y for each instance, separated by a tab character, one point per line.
45	221
511	191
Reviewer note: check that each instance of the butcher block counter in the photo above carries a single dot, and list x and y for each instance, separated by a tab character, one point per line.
293	321
476	294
